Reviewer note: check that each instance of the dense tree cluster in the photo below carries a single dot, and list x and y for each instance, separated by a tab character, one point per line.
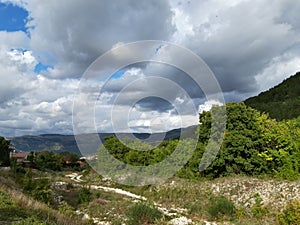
254	144
47	160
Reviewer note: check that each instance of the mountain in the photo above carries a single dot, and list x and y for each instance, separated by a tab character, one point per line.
280	102
60	143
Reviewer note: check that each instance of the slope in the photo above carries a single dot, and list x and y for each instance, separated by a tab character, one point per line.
280	102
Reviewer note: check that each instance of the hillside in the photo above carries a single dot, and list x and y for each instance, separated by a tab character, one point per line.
280	102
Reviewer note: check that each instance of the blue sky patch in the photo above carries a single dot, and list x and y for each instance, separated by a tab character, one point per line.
12	18
118	74
41	67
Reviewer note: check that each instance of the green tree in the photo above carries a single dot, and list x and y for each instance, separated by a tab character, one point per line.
5	149
48	160
240	147
280	147
254	144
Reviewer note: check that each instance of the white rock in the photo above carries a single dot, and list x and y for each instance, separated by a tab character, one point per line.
86	217
181	221
209	223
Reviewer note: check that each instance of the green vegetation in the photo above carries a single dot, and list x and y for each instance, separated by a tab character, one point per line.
5	149
291	214
84	196
18	209
253	145
39	189
280	102
142	213
220	207
47	160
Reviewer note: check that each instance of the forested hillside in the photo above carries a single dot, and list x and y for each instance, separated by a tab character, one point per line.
280	102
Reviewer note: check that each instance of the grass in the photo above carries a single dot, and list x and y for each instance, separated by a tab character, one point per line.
18	208
143	213
221	207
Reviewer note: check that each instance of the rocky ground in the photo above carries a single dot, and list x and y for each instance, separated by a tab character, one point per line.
244	192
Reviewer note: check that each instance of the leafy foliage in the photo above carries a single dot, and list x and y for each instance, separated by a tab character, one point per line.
48	160
140	153
253	144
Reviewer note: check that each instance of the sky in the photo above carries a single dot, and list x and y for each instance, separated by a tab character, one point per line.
46	46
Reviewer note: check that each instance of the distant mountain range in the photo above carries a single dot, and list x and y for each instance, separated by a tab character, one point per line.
60	143
280	102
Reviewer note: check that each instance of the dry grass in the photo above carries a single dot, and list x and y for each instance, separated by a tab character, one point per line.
28	204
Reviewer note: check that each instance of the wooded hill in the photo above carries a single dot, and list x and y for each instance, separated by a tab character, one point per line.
280	102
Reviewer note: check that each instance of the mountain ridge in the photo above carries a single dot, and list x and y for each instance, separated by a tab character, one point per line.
281	102
60	142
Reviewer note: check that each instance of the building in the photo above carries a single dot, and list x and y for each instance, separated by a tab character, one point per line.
19	156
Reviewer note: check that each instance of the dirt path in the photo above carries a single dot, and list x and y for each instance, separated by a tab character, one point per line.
180	220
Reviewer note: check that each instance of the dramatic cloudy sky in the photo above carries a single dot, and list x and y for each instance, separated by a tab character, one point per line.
45	47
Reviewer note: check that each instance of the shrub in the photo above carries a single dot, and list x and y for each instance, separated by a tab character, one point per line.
39	189
291	214
220	206
84	195
143	213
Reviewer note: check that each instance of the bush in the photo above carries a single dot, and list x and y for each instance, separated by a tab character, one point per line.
143	213
39	189
220	206
291	214
84	195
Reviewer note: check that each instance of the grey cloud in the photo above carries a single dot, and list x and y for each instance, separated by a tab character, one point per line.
150	103
74	33
237	42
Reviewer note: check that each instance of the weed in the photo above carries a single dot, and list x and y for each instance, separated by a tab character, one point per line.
291	214
258	209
